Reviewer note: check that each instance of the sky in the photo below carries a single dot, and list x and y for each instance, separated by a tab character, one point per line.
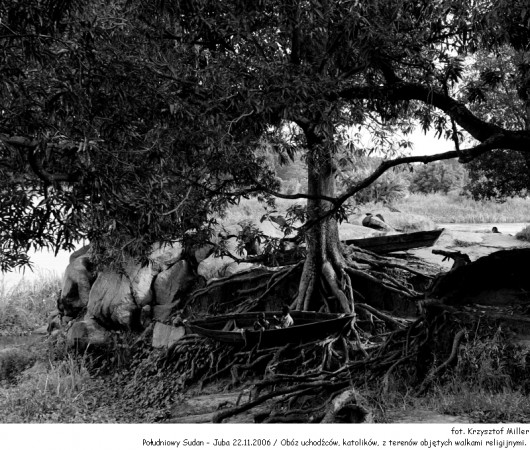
428	144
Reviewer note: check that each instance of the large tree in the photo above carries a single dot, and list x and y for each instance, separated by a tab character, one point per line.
156	111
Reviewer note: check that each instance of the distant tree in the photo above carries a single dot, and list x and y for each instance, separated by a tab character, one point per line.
497	87
442	176
390	187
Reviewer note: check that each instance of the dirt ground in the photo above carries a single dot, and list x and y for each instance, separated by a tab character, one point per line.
474	244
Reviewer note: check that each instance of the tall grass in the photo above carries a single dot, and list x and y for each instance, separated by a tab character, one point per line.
488	384
454	208
26	305
441	208
53	392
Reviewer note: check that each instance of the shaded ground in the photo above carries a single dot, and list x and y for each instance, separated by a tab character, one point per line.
474	244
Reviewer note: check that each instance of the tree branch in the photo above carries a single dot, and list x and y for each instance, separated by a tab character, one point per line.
464	156
478	128
36	166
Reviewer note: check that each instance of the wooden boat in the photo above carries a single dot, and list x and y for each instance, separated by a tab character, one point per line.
237	329
397	242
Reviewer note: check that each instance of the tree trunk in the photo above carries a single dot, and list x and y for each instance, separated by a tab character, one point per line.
324	284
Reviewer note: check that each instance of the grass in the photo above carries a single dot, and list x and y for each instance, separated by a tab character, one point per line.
488	384
452	208
455	208
26	305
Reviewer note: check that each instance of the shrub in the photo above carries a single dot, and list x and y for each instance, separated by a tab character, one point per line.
524	234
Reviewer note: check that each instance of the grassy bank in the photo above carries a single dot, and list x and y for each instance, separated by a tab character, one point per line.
26	305
459	209
441	208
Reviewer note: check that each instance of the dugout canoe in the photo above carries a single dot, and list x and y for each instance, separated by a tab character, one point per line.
236	329
397	242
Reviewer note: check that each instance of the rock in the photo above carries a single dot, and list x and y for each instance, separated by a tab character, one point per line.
376	222
235	267
496	279
212	267
87	332
352	231
165	335
77	281
80	252
13	361
141	280
405	222
111	300
173	282
54	322
203	252
116	300
146	316
402	222
163	256
163	313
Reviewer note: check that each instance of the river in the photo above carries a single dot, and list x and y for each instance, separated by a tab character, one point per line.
505	228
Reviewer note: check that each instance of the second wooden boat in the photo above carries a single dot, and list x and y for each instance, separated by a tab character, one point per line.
397	242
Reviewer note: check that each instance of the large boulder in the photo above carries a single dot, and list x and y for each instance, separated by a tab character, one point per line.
172	283
496	279
111	300
406	222
77	281
164	313
165	335
399	221
116	299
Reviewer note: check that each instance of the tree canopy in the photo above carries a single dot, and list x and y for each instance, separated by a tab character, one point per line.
131	122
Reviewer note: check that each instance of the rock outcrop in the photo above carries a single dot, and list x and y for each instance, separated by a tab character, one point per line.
77	282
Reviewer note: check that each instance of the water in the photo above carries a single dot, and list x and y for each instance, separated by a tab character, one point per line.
505	228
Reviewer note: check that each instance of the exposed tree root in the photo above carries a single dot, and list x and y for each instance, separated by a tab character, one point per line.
454	350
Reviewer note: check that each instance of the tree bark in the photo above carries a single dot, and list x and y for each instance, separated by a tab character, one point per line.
324	284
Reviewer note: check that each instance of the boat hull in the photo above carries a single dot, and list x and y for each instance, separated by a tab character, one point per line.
308	326
397	242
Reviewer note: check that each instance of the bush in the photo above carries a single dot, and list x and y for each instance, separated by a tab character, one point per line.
524	234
